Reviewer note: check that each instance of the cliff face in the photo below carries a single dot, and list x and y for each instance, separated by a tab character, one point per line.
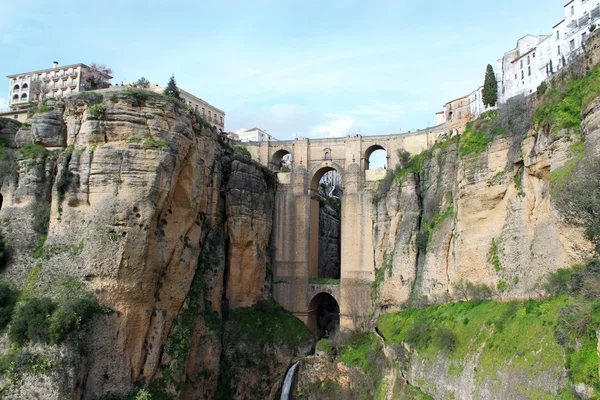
159	218
485	218
329	243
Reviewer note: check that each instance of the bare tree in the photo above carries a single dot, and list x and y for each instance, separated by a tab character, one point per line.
462	289
98	76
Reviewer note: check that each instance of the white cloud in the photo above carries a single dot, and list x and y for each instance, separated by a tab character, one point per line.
336	126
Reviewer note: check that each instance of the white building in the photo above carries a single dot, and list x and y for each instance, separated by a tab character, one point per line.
475	99
28	88
208	112
523	68
569	34
254	135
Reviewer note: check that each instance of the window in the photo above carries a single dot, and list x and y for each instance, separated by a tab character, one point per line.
516	77
583	37
203	112
529	71
528	60
16	116
572	10
521	63
522	75
558	51
557	35
25	86
572	44
16	87
534	54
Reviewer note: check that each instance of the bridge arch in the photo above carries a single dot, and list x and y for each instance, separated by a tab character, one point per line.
321	169
369	152
323	314
281	158
334	270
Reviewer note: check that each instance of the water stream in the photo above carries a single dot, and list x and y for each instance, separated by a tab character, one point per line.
286	389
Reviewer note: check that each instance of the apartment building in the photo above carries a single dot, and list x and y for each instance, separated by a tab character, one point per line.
536	58
28	88
210	113
569	35
524	67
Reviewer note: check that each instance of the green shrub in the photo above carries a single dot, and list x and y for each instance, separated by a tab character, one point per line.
43	108
3	252
33	152
542	88
8	299
267	323
161	144
363	350
31	321
140	96
419	334
324	346
445	338
558	282
41	218
70	316
97	110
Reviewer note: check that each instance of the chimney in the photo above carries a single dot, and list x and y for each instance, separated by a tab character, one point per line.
55	64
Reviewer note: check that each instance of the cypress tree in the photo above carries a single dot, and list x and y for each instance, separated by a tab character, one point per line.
490	87
172	90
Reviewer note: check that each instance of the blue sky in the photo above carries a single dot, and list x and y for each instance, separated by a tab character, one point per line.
307	68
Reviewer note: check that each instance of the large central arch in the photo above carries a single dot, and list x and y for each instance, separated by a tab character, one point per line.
313	259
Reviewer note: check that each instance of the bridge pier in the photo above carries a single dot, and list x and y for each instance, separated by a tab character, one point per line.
296	227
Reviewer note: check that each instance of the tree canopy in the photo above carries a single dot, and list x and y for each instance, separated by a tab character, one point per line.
490	88
172	90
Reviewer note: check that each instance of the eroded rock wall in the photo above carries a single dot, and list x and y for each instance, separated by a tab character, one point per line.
136	188
486	218
329	243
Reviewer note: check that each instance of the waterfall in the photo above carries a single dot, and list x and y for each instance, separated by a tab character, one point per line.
286	389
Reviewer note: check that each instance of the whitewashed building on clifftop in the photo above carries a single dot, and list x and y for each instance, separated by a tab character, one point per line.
28	88
569	35
523	68
254	135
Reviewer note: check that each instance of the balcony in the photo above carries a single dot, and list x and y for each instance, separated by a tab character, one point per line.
55	78
73	74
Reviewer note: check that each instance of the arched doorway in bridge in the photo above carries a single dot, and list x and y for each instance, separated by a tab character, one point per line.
324	315
325	224
281	161
376	157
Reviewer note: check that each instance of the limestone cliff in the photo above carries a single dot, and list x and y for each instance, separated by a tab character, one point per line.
134	195
485	218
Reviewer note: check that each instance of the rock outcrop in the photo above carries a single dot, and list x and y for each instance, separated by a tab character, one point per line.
138	196
485	219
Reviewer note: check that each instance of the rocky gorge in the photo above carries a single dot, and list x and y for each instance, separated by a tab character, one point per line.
131	197
135	260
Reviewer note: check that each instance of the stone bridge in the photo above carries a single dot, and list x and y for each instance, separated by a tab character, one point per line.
296	222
